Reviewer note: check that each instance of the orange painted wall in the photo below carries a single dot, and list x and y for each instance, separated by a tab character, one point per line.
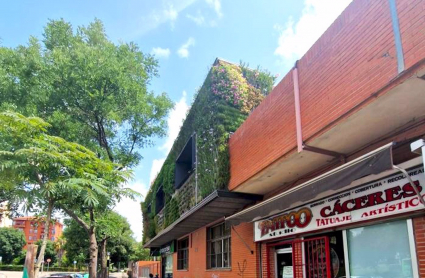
350	62
154	267
239	254
33	233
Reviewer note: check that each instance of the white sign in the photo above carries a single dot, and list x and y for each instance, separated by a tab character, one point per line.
287	272
388	196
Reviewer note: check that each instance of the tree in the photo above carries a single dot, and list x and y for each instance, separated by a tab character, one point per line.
49	252
113	235
47	169
92	91
11	243
59	248
140	253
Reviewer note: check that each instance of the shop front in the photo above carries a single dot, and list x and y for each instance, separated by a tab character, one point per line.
366	231
166	252
357	220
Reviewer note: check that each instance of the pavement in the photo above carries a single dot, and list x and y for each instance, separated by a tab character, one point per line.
18	274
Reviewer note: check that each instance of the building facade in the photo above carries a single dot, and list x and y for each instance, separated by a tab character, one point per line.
33	228
330	164
5	220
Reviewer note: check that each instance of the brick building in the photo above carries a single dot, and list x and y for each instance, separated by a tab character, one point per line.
33	228
329	151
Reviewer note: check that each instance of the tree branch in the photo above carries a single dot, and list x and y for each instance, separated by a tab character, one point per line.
76	218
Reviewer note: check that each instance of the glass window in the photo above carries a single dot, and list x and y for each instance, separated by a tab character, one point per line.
169	265
183	253
380	251
218	244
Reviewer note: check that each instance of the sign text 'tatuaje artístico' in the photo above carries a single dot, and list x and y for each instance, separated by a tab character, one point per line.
388	196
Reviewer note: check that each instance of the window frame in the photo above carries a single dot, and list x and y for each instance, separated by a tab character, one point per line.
183	263
225	236
411	239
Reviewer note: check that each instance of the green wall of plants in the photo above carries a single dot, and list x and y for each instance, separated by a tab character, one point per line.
229	93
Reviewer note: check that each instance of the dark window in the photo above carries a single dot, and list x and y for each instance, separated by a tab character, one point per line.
218	247
183	253
159	200
185	163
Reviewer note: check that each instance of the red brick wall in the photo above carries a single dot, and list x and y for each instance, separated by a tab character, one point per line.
419	230
239	252
352	60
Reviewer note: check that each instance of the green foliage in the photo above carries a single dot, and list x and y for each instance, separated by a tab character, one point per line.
50	252
222	104
92	91
77	243
11	243
43	167
139	253
112	226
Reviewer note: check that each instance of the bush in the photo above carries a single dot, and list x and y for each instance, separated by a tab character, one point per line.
11	267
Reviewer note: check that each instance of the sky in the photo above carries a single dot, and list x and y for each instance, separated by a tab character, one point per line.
186	36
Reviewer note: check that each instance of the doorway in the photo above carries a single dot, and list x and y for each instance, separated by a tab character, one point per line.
284	261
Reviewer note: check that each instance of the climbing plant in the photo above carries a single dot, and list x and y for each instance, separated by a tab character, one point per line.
222	104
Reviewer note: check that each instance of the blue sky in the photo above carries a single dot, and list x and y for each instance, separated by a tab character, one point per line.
186	36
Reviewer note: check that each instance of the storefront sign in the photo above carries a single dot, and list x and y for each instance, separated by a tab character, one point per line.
167	249
388	196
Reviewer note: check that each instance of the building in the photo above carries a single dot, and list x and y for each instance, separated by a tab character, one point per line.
5	220
329	163
196	171
33	228
144	268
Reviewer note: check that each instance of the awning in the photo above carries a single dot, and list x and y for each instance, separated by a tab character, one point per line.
218	204
326	184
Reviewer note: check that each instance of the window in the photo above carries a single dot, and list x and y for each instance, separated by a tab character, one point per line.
183	253
218	247
185	163
387	253
159	200
53	238
30	238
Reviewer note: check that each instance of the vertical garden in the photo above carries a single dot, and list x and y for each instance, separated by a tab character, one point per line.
229	94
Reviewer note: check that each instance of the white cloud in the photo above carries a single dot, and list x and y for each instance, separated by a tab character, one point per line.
131	209
198	18
156	17
161	52
170	13
216	5
175	121
297	37
183	51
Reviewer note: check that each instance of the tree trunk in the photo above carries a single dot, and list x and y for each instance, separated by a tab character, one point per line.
91	230
40	258
103	259
93	253
93	247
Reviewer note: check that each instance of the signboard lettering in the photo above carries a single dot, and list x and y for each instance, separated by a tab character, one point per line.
388	196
